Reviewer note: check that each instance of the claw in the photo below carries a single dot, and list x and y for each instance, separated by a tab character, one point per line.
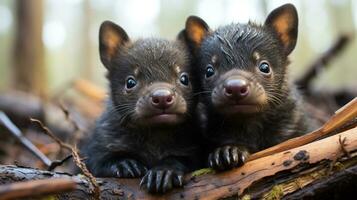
149	184
242	157
217	157
210	160
226	155
143	181
159	176
136	168
127	169
180	180
167	185
235	155
118	173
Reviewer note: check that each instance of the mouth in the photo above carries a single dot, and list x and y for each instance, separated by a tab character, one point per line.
163	118
249	105
240	109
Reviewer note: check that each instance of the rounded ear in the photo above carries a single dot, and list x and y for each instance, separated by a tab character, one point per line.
111	38
284	21
196	30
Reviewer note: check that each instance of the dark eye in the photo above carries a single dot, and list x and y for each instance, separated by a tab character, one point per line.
264	67
130	83
209	71
184	79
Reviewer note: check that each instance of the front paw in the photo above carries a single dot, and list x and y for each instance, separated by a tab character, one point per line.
227	157
161	180
129	168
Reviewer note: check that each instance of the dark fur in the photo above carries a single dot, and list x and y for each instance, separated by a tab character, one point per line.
282	118
123	145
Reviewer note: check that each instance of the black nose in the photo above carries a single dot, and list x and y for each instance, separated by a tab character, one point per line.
236	88
162	98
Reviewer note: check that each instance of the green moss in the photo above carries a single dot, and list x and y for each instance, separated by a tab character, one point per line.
339	166
49	198
246	197
203	171
275	193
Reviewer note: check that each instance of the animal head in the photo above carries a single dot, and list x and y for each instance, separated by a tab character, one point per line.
150	79
242	67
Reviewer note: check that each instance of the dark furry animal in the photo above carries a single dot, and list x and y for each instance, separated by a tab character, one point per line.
249	102
147	129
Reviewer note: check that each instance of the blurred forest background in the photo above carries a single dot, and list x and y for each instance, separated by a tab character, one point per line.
45	44
49	49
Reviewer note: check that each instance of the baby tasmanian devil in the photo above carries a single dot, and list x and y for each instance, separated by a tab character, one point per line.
147	129
249	103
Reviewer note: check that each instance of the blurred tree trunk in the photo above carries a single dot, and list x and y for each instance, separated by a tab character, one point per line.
87	68
29	72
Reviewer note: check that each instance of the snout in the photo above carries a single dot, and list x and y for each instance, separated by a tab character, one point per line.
238	94
236	88
162	98
160	104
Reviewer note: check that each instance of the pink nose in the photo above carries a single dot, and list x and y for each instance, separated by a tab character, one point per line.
236	88
162	98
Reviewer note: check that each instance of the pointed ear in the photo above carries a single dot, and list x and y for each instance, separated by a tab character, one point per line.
111	38
284	21
196	30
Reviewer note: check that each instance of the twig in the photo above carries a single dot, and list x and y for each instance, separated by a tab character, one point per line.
305	80
36	188
78	132
76	158
57	163
342	145
15	131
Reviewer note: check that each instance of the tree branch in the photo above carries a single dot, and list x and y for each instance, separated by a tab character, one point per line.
290	163
35	188
305	80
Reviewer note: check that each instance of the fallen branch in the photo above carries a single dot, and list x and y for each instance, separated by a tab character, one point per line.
110	188
237	181
226	184
15	131
35	188
89	89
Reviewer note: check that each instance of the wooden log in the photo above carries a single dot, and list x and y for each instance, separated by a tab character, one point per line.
89	89
36	188
236	181
20	105
211	186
